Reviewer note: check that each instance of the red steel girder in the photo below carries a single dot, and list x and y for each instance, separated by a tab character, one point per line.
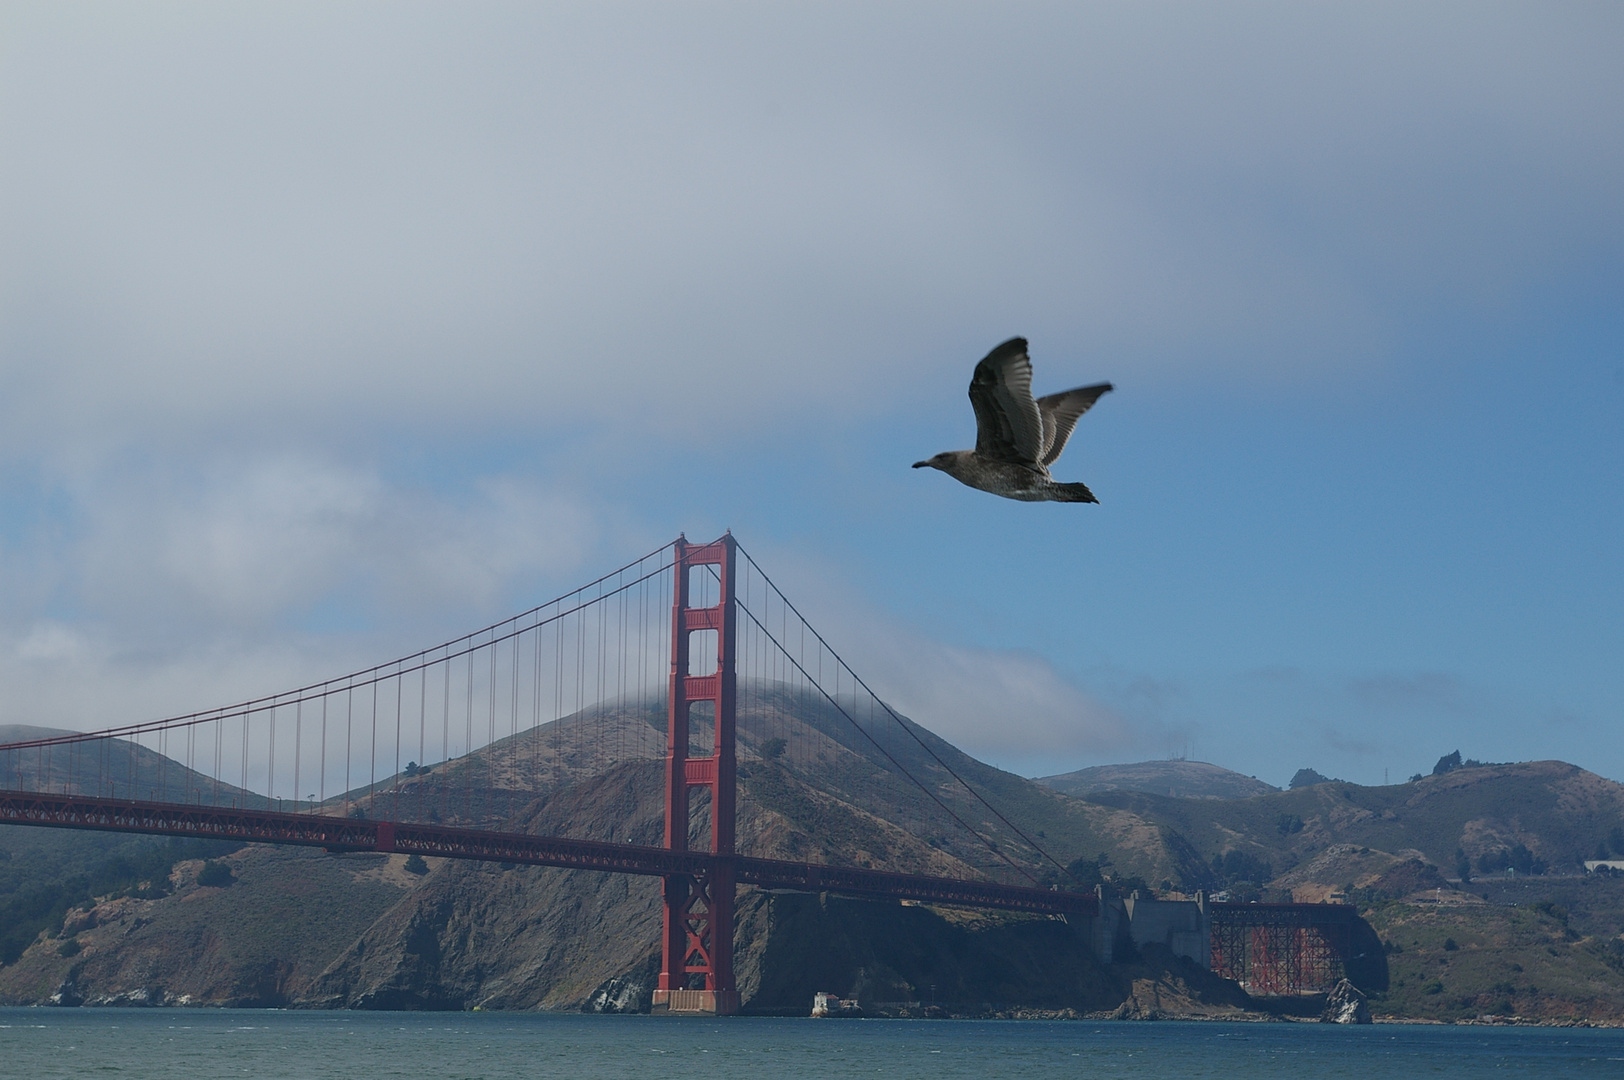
360	834
339	833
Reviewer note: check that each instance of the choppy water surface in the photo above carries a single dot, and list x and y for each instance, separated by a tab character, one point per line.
171	1044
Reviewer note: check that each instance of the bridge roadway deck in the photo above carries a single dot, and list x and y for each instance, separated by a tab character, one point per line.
361	834
1282	915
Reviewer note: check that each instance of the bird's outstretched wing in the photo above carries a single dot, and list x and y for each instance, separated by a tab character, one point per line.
1060	412
1008	424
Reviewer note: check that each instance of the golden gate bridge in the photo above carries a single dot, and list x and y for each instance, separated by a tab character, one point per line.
689	661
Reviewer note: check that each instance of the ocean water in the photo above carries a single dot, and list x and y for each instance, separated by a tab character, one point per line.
176	1044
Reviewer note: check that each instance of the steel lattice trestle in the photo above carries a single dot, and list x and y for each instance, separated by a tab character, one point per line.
1282	948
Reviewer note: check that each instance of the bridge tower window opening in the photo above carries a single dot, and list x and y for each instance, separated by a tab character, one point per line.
699	820
701	729
702	653
704	586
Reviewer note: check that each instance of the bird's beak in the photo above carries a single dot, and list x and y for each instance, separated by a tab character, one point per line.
920	464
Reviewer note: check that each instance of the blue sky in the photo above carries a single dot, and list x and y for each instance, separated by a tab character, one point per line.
327	331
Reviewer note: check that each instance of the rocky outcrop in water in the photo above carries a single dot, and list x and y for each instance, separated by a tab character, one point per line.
622	994
1345	1005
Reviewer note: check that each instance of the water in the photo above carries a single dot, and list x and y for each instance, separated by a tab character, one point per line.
172	1044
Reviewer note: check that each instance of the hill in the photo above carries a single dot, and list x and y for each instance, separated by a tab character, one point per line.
1428	862
44	873
372	935
111	767
1178	779
478	935
255	942
1466	961
805	759
467	934
1555	814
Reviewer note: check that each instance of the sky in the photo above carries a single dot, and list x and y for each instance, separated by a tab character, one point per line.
331	331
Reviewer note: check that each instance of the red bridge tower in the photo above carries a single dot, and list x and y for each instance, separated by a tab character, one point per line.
696	973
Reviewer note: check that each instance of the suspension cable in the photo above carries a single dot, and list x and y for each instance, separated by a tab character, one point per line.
373	675
911	733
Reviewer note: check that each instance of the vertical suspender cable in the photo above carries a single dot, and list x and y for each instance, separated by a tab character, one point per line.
298	739
321	772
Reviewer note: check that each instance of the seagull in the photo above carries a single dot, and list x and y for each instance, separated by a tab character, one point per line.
1017	438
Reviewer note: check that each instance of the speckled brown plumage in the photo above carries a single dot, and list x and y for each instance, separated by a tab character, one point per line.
1017	436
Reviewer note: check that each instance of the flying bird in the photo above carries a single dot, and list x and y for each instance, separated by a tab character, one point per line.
1017	437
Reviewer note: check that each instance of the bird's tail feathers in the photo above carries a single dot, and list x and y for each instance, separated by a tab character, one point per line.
1074	493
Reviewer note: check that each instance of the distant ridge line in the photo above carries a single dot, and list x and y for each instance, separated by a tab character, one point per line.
1176	778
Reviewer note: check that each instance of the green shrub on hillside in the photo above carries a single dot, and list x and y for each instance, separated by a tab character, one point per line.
215	874
1517	859
1447	764
1450	762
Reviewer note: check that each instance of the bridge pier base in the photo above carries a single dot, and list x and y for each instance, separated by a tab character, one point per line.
698	1002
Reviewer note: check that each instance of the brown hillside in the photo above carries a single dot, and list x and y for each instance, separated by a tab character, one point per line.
1559	812
255	943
